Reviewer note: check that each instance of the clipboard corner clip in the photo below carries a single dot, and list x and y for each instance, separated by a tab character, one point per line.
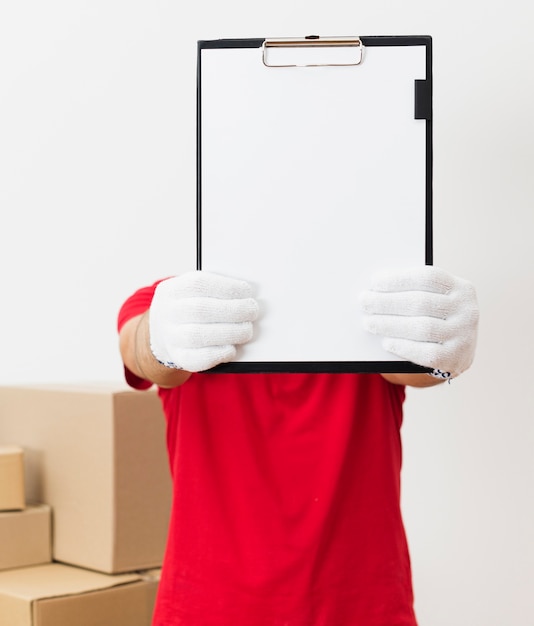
313	41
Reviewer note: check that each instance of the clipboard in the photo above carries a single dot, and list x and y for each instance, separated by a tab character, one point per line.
314	170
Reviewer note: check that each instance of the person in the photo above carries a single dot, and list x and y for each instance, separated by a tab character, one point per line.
286	486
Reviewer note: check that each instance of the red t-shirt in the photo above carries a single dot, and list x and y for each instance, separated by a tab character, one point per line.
286	500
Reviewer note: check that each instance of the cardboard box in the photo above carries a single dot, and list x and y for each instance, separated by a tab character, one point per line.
25	537
152	577
12	495
97	456
60	595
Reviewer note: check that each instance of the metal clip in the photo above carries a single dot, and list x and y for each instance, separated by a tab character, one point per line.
313	41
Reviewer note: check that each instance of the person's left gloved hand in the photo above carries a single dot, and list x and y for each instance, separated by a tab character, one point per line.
426	316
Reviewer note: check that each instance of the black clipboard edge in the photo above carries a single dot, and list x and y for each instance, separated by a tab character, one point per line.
361	367
321	367
367	40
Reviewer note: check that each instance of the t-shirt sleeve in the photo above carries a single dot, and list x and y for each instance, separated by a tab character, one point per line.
135	305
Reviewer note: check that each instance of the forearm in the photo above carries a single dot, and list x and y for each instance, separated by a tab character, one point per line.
413	380
135	350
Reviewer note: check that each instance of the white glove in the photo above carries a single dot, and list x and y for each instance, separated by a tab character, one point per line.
426	316
197	319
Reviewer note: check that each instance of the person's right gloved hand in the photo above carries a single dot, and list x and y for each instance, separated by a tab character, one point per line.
196	320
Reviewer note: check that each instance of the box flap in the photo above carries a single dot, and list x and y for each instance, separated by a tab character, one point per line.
57	580
81	387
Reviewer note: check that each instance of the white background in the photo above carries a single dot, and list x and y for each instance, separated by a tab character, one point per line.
97	197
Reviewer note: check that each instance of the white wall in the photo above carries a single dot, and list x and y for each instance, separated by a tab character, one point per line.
97	150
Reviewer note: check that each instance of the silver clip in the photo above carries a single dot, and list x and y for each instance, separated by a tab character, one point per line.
314	41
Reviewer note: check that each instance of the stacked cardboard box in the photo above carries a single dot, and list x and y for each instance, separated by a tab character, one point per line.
96	456
11	478
24	530
25	537
61	595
